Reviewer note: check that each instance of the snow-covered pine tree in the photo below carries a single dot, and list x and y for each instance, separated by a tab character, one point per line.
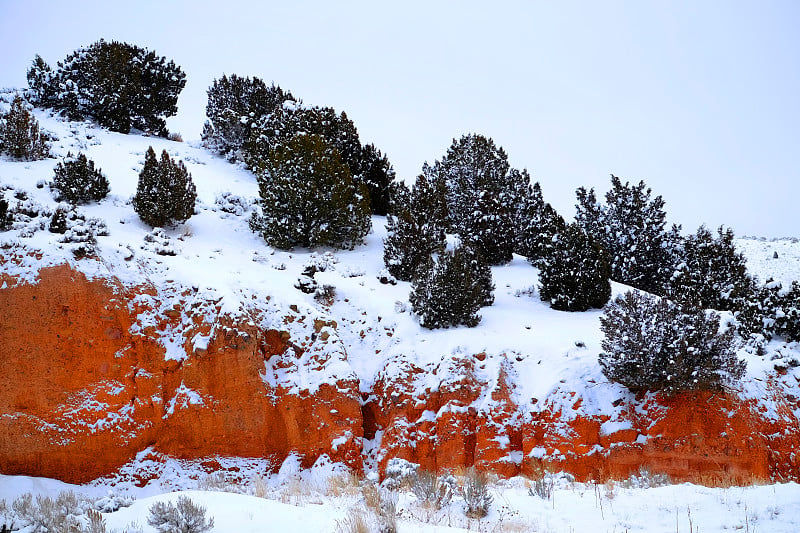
119	85
630	226
757	315
651	344
378	175
77	181
787	321
574	275
234	105
278	128
539	225
20	137
481	194
309	198
450	291
165	194
711	274
6	217
415	229
43	91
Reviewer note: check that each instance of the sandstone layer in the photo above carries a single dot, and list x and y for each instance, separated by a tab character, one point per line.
87	383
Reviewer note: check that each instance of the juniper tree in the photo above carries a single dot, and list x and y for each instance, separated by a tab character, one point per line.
77	181
652	344
20	137
309	198
6	217
451	290
43	91
711	273
278	128
165	194
787	323
574	275
757	314
378	175
415	229
234	105
481	195
630	226
119	85
540	224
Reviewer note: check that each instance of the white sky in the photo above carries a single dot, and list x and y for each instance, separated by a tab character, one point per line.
701	99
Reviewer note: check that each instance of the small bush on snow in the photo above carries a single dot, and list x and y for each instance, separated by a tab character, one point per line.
77	181
431	490
476	493
183	517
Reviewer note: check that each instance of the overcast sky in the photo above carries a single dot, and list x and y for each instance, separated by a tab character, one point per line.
700	99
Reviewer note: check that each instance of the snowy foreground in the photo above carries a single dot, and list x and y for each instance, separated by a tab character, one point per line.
316	501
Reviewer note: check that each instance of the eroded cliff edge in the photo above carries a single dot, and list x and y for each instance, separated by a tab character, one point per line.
95	371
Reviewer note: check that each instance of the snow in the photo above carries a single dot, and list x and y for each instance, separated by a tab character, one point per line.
319	500
231	271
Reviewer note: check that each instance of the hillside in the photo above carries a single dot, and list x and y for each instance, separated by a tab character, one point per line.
213	351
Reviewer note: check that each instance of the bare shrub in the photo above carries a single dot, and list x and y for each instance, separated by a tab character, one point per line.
383	504
96	522
46	514
476	493
432	491
354	522
543	488
183	517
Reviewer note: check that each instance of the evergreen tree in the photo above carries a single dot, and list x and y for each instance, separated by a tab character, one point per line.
43	91
711	273
378	175
58	222
415	229
787	320
482	195
450	291
78	182
165	194
309	198
539	226
651	344
630	226
235	104
20	137
574	276
6	217
272	131
121	86
757	314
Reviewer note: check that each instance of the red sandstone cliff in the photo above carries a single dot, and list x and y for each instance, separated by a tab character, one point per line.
86	385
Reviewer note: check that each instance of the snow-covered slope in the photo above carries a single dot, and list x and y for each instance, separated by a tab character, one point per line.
216	252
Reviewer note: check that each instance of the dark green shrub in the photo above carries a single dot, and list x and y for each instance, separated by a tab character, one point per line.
711	273
415	229
235	104
652	344
450	291
119	85
77	181
20	137
309	198
165	194
574	275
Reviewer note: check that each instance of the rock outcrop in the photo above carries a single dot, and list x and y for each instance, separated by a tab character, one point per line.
94	372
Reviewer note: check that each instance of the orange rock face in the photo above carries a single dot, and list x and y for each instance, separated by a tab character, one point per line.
81	394
87	383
